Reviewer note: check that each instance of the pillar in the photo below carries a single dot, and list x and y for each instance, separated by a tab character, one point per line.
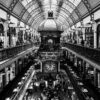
9	34
75	61
6	42
17	29
95	34
95	77
77	36
83	69
24	32
98	79
7	75
94	28
83	30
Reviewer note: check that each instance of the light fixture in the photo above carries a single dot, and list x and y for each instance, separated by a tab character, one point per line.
7	99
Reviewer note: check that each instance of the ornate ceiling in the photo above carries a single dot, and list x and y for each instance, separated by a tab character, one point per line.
66	12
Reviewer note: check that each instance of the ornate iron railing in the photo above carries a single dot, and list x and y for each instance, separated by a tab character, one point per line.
12	51
90	53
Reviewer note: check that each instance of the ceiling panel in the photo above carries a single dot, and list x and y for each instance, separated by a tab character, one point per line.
25	15
82	9
18	8
32	7
30	19
70	20
75	2
6	2
75	15
67	7
30	4
94	3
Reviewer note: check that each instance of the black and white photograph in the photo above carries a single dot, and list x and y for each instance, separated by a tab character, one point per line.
49	49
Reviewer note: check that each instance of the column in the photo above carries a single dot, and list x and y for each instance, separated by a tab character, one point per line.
95	34
83	69
9	33
75	61
77	36
7	75
98	79
83	30
80	67
95	77
94	28
17	31
6	42
24	32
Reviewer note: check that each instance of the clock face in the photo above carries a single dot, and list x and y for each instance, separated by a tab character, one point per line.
50	67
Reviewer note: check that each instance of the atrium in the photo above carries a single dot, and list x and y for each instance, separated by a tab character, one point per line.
49	50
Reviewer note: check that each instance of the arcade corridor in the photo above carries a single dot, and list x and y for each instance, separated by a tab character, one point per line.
49	49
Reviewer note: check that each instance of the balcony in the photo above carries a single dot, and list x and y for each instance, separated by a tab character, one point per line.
12	51
91	54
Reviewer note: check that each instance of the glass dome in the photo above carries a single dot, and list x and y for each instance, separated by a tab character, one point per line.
50	25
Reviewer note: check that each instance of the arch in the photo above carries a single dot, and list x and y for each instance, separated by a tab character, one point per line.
38	19
67	2
65	18
1	29
87	5
98	36
35	17
63	9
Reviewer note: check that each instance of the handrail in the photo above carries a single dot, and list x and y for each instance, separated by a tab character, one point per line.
79	93
12	51
90	53
15	96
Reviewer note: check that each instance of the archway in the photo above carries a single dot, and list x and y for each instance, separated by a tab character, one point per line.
1	29
98	36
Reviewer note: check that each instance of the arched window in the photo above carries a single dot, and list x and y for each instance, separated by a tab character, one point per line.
98	36
1	30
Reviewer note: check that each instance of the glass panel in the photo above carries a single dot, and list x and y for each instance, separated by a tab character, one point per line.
32	7
68	7
25	2
64	14
3	14
63	20
69	4
75	2
38	21
18	8
6	2
36	13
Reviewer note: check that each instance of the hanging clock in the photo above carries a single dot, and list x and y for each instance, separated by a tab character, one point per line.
50	67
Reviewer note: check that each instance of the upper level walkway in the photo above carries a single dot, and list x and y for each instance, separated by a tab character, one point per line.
11	54
12	51
90	55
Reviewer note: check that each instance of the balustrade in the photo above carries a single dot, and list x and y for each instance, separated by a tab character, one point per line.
89	53
12	51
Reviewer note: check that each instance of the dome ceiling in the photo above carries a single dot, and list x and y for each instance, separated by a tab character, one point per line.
50	25
66	12
60	8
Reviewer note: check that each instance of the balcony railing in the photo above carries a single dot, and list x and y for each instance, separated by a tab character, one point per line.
81	95
89	53
12	51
